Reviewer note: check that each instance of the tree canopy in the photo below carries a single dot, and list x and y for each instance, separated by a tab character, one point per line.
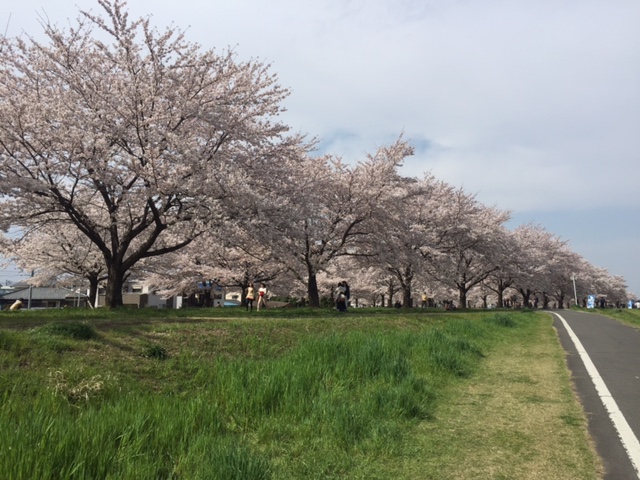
135	137
125	149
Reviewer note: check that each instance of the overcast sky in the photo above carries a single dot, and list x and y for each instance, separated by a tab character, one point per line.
532	105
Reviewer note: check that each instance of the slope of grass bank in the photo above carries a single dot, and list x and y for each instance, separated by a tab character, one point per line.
630	316
288	394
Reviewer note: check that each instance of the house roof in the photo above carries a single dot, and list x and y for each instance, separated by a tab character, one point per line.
43	293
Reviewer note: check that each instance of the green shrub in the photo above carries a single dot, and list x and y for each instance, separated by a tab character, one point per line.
155	351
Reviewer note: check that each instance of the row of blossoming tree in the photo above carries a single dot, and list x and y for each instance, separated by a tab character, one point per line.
125	150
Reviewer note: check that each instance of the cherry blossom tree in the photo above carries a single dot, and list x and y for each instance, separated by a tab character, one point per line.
558	280
368	280
123	147
592	280
498	282
464	241
322	210
613	286
535	260
133	136
225	256
59	255
398	234
527	248
504	277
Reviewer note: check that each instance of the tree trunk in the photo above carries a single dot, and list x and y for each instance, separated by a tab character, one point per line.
407	287
113	295
406	297
463	297
312	290
501	297
93	290
526	297
545	300
560	299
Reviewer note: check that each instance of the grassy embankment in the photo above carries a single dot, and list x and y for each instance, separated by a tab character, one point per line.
287	394
626	315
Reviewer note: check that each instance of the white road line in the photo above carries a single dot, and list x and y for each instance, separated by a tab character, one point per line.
628	438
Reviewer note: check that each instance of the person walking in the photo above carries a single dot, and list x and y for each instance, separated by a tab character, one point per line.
262	296
250	296
17	305
347	293
341	297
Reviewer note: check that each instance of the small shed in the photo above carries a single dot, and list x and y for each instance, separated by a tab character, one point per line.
45	297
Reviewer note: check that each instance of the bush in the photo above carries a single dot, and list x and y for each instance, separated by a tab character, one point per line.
155	351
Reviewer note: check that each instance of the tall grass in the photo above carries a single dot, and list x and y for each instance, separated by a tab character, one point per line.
133	437
330	406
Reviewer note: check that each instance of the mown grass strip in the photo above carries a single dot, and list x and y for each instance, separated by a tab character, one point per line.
516	418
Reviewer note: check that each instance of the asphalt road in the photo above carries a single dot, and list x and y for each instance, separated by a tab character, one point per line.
611	402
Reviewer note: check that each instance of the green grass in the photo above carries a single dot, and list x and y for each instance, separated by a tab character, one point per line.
282	394
74	330
516	418
630	316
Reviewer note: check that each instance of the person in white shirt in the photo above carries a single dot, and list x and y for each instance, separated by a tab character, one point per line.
262	296
17	305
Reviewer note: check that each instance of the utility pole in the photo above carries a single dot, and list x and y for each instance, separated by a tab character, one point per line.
30	293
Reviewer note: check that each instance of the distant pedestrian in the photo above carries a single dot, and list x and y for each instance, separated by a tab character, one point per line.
347	293
250	297
17	305
424	299
262	296
341	297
